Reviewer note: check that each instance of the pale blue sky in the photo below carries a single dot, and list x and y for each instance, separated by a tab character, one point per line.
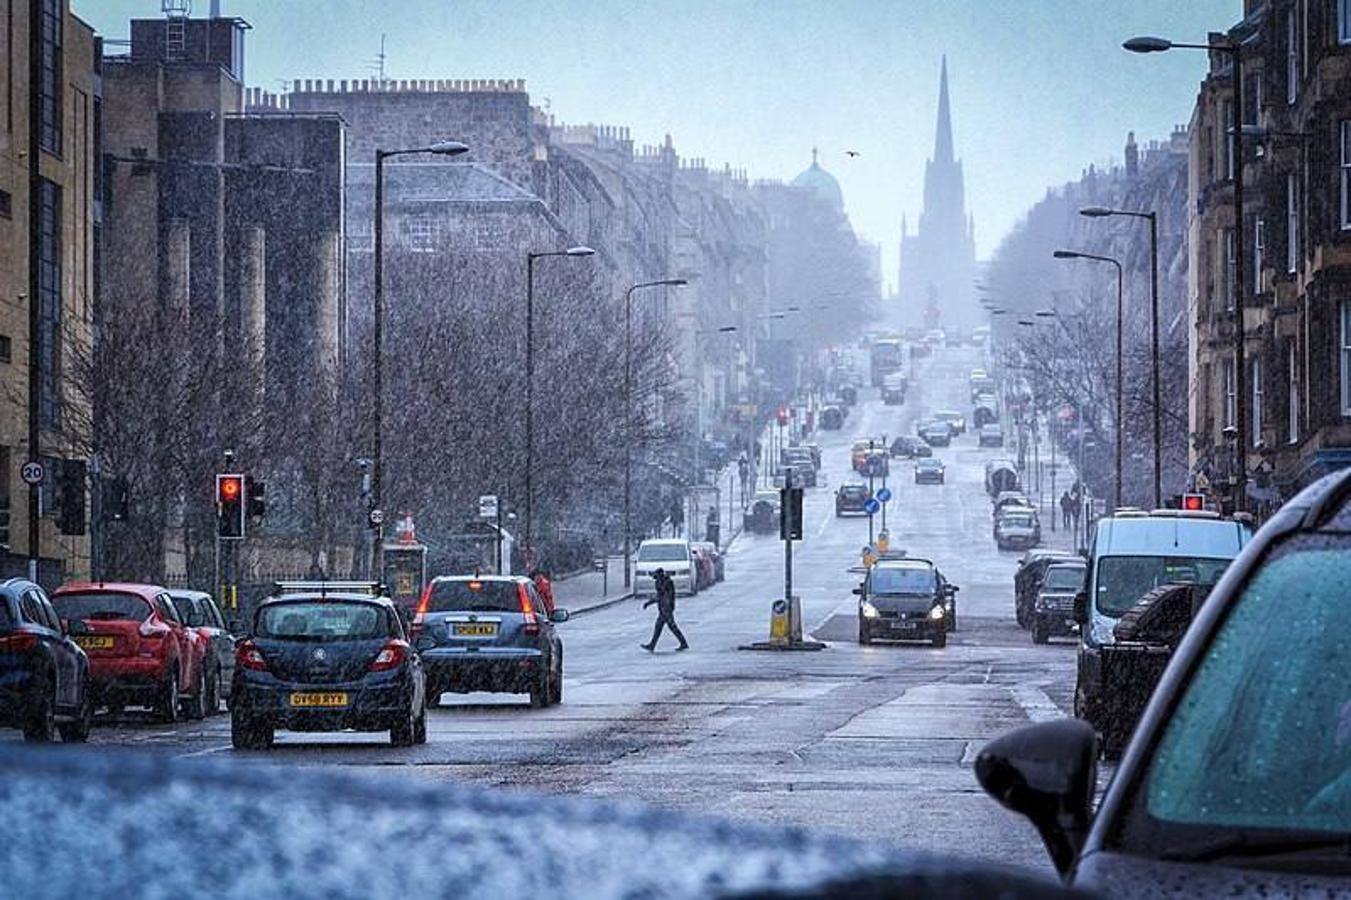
1040	88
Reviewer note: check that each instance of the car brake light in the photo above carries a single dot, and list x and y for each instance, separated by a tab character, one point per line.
152	629
531	625
391	656
420	614
248	657
20	642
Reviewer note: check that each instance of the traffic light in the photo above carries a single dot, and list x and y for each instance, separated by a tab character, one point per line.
115	500
1193	502
68	495
783	415
257	499
790	520
230	507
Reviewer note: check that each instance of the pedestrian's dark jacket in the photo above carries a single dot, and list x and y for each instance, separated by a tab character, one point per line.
665	599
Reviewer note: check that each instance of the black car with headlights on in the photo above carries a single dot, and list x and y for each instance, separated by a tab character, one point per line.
490	633
906	600
327	656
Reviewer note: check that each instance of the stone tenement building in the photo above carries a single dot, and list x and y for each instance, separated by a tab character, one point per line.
225	232
938	261
1296	233
50	182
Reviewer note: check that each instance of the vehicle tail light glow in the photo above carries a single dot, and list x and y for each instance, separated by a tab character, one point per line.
528	610
1193	502
391	656
21	642
420	614
248	657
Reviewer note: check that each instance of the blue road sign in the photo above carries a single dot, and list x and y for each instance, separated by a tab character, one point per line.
871	506
884	495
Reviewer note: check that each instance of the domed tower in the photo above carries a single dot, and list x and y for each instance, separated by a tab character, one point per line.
821	183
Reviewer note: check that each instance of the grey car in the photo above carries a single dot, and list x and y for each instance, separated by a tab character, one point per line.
490	633
198	610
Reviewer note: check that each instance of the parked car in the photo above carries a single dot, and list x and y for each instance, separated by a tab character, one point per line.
930	471
673	555
1017	528
1027	580
762	516
936	434
991	435
906	447
1007	499
1132	553
715	555
956	420
140	652
851	498
905	599
199	611
1001	475
44	674
704	566
1053	608
1235	781
489	634
320	660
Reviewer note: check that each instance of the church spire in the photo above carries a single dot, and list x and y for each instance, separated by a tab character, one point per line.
943	152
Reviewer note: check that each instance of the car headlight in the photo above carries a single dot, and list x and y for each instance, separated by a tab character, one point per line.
937	612
869	611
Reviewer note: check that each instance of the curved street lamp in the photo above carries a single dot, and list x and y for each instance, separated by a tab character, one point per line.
439	148
1120	426
577	251
628	415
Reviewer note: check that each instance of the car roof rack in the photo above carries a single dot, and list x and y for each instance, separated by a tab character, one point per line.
324	587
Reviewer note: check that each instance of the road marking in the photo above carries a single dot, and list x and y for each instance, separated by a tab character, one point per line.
1035	703
206	752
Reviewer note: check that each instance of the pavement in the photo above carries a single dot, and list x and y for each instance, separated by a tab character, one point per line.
874	742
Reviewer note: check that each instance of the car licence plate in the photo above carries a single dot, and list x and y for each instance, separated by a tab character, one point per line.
904	626
95	642
311	699
476	629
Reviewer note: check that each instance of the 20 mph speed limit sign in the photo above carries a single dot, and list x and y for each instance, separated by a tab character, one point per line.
33	472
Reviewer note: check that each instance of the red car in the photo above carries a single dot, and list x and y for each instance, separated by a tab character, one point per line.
140	652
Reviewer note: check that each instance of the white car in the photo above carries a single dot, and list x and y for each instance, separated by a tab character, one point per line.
671	554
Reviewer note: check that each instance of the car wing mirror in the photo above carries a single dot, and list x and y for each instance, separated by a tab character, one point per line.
1048	773
559	615
858	591
1081	607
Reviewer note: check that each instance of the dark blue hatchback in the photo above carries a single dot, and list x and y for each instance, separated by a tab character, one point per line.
44	675
490	633
319	661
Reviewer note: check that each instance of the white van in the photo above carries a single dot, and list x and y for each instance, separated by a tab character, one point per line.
671	554
1133	553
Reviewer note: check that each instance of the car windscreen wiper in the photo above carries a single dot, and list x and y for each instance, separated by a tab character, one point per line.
1245	845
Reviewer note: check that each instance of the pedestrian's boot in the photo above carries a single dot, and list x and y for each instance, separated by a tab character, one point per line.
683	647
648	647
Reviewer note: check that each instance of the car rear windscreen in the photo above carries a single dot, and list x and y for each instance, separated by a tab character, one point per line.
473	596
322	620
902	580
663	552
102	606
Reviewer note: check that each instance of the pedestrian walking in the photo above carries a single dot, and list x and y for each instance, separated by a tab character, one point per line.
1066	509
544	587
665	601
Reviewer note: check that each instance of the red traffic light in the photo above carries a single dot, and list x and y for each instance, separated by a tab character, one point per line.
1194	502
229	488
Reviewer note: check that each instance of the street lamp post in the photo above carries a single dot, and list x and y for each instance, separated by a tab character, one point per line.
628	416
440	148
530	380
1153	219
1234	51
1120	425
